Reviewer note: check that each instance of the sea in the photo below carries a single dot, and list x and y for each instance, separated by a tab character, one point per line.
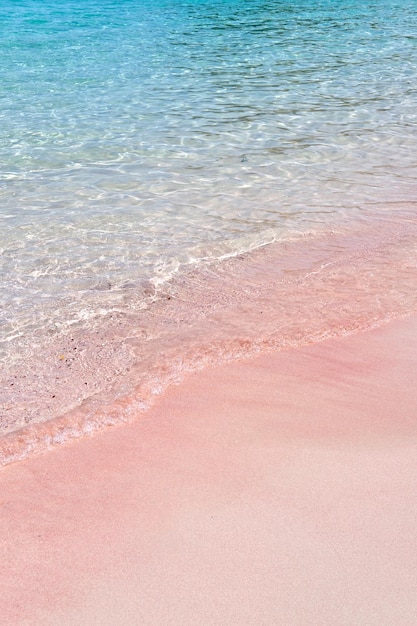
190	182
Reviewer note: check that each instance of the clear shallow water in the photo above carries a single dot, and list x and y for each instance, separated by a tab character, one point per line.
145	144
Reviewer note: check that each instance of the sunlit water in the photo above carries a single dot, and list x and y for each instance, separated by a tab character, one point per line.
146	146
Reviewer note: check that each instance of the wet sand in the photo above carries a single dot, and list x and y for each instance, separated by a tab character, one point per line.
277	490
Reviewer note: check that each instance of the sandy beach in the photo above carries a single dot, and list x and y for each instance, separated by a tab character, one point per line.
276	490
208	313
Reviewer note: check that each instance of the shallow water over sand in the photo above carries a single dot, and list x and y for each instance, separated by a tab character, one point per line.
278	297
188	183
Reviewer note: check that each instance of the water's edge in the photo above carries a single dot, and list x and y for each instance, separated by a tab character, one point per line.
280	296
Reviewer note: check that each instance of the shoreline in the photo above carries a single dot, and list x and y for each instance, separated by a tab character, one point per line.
272	490
279	297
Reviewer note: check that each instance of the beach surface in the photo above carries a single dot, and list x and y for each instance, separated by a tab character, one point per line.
275	490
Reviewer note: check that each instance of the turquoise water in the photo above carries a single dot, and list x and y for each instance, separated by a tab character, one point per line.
142	139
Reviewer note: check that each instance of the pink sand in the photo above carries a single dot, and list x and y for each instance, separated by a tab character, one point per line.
280	490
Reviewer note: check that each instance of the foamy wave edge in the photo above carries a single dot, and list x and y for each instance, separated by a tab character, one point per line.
37	439
370	283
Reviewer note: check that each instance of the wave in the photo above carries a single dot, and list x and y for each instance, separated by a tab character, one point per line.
276	296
